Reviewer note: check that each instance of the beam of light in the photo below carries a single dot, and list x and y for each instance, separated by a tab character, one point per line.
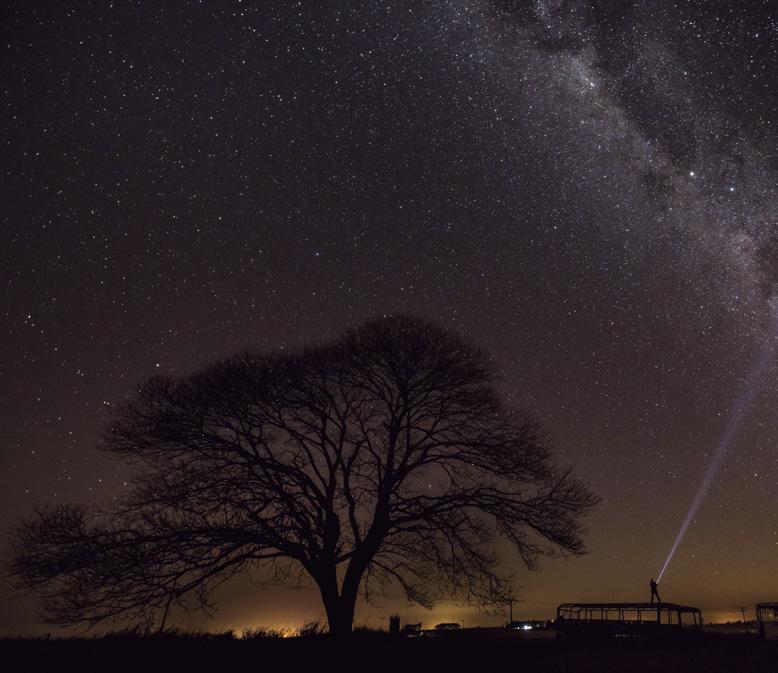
743	404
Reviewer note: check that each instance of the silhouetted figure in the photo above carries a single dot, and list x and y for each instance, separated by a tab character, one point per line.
654	592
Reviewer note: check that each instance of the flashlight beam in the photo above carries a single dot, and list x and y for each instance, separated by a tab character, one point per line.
743	404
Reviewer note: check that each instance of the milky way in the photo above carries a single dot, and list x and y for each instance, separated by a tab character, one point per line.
588	189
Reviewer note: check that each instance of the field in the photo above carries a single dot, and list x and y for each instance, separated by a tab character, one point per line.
477	651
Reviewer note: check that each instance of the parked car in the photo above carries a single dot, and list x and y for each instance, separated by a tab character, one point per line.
448	626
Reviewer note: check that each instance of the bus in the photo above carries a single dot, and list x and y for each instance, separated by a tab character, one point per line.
638	621
767	620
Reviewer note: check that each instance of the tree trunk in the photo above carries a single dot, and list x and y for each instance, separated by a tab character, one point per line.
341	616
340	607
340	603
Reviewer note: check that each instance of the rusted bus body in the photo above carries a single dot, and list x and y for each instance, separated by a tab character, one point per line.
627	620
767	620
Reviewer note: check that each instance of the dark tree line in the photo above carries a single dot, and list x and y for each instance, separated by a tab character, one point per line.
386	459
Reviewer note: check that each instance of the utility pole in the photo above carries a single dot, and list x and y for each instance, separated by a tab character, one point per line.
743	612
510	609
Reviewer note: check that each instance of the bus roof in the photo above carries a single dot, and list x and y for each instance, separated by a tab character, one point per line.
629	606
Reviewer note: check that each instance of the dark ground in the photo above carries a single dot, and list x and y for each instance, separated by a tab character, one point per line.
375	652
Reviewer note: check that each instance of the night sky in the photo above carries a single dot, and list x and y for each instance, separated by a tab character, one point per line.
587	189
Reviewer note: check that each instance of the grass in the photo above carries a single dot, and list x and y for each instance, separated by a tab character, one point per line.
263	650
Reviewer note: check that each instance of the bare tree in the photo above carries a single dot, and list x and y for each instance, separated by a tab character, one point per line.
384	459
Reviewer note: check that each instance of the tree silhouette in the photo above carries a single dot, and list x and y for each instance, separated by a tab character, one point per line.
382	460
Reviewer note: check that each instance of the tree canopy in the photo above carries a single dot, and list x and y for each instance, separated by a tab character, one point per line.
385	460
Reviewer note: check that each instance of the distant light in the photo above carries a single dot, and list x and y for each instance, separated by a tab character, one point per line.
527	627
692	174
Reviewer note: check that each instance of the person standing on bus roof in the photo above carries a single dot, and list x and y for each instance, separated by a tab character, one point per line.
654	592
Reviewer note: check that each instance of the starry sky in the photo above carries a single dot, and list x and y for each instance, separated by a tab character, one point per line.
587	189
